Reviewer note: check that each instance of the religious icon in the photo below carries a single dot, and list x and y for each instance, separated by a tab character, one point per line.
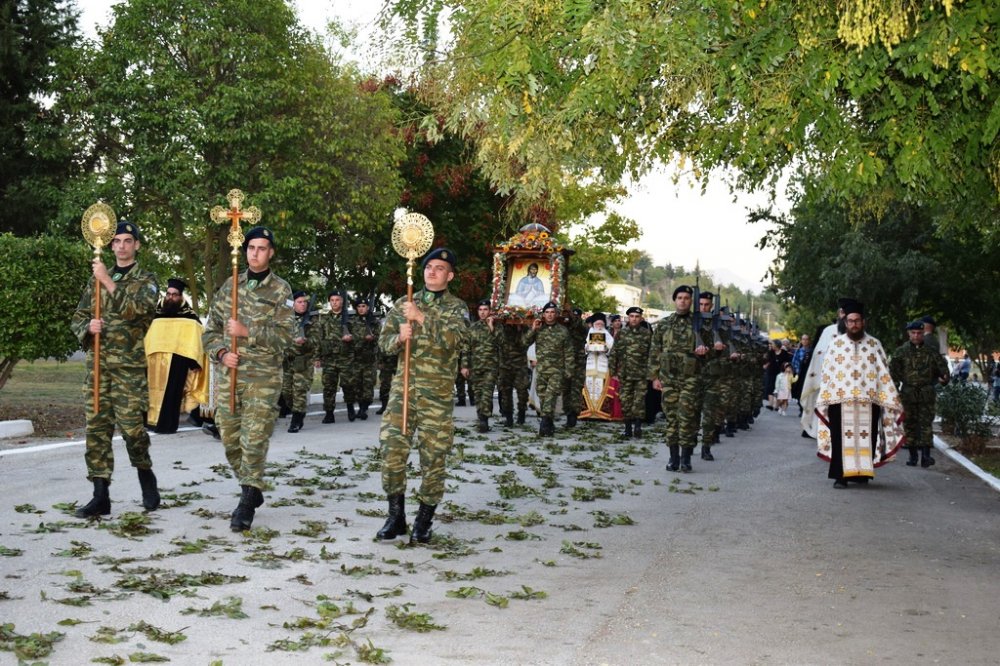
531	280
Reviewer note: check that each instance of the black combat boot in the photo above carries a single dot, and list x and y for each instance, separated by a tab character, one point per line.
329	417
912	460
548	428
363	410
284	409
100	504
571	420
150	495
395	522
461	400
628	429
381	410
706	452
422	524
484	424
675	458
508	419
242	517
730	429
351	414
925	457
298	418
637	431
472	398
686	458
715	434
543	428
520	417
743	423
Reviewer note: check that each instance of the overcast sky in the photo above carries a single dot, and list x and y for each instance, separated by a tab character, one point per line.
679	225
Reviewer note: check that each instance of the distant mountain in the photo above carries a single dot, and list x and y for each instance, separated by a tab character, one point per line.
725	276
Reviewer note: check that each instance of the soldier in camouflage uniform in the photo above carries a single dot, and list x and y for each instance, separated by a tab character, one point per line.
675	361
513	373
128	302
359	383
627	363
482	355
435	324
573	390
386	369
461	385
264	328
556	363
333	353
716	338
916	369
298	364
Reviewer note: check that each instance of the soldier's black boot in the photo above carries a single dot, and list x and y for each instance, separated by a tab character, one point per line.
472	398
461	401
284	409
628	429
743	423
508	419
100	504
484	424
520	417
715	434
351	415
686	458
363	411
674	463
571	420
912	460
242	517
381	410
548	427
395	522
298	418
706	453
150	494
329	417
925	457
637	431
730	429
422	524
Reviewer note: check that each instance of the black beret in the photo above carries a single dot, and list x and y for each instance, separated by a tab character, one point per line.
360	301
706	294
259	232
483	302
550	306
927	319
334	292
126	227
177	284
578	312
298	294
615	317
441	253
915	325
682	289
597	316
854	307
633	310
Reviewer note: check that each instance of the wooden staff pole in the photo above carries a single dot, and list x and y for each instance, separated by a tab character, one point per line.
233	314
98	226
97	339
406	351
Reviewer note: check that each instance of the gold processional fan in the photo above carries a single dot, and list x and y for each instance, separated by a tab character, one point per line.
98	225
412	235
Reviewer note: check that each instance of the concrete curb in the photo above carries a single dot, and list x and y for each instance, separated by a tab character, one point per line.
945	448
19	428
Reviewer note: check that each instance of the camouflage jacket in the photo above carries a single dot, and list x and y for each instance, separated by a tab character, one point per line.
331	329
630	355
918	369
435	345
362	350
671	351
553	349
126	314
578	330
482	348
300	356
717	360
266	312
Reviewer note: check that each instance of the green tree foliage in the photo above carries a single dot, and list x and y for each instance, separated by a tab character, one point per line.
183	100
43	278
35	156
892	101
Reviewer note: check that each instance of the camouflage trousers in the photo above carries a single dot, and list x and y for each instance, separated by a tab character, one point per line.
358	381
918	424
332	376
712	407
386	370
460	387
509	379
296	385
549	386
681	400
246	433
482	389
432	431
573	389
633	398
123	398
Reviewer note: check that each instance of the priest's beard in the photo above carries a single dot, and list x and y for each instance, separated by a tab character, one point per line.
856	336
170	307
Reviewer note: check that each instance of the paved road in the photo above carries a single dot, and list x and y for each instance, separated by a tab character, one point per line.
751	559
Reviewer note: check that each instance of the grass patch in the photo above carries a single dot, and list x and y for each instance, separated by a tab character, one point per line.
49	394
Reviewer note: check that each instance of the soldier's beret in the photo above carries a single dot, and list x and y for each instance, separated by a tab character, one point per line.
259	232
334	292
298	294
177	284
706	294
915	325
483	302
126	227
597	316
615	317
683	289
927	319
844	303
578	312
633	310
360	301
442	254
854	307
550	306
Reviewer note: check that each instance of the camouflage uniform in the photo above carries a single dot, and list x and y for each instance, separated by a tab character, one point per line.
333	354
434	351
298	366
628	361
917	369
123	392
264	309
513	373
713	374
556	365
386	369
673	362
360	370
482	354
573	391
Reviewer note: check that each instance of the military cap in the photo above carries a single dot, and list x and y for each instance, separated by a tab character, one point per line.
682	289
597	316
359	300
853	307
550	306
927	319
915	325
578	312
615	317
298	294
259	232
706	294
126	227
177	284
442	254
633	310
845	303
483	302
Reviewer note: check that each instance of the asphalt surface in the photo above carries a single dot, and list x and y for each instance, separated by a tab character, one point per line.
751	559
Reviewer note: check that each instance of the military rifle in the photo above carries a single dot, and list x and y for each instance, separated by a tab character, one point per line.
696	315
716	319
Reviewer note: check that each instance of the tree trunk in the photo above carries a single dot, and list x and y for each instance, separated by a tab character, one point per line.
7	364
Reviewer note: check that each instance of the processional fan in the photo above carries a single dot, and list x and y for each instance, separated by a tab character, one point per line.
412	235
98	224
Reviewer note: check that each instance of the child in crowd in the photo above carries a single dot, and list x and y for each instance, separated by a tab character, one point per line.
783	387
